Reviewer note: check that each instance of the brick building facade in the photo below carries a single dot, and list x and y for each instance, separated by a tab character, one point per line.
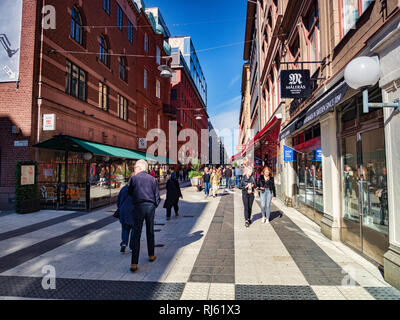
89	73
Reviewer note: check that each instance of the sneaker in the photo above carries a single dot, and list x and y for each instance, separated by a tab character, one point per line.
267	221
123	249
264	220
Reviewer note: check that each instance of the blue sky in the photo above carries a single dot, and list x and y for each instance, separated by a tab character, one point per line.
213	23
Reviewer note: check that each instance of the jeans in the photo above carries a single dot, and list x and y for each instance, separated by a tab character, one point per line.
169	210
228	183
347	186
126	231
143	212
206	188
265	199
237	182
248	200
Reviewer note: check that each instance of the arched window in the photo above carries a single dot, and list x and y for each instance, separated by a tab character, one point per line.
123	72
104	57
76	26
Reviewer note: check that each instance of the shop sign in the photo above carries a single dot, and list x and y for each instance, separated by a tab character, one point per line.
49	122
318	155
27	175
295	84
289	154
142	143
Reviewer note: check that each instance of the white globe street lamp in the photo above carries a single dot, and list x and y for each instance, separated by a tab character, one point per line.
363	73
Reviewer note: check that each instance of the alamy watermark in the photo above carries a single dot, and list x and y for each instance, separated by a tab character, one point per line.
49	278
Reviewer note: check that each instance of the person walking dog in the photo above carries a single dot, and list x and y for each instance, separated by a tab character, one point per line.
248	185
266	185
143	189
173	195
125	210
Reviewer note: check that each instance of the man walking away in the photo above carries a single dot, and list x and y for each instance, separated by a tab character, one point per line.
143	189
173	195
125	208
228	177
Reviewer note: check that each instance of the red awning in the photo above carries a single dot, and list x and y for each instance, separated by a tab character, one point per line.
270	125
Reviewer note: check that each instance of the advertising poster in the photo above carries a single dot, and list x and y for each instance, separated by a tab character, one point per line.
10	39
27	175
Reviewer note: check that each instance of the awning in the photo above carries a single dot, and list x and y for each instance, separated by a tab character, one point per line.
62	142
268	127
322	106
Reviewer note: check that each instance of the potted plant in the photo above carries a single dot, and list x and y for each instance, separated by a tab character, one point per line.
195	175
26	189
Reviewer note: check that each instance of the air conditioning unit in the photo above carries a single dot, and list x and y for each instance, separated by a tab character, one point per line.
15	130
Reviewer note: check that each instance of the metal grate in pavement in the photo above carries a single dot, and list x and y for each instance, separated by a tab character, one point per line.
255	292
80	289
383	293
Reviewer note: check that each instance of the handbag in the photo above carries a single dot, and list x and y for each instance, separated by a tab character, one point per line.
116	214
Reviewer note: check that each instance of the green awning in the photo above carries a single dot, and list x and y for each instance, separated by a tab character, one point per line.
78	145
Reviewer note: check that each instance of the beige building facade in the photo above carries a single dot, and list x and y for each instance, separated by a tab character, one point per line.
344	162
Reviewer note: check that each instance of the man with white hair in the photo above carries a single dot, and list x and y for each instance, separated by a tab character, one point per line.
143	189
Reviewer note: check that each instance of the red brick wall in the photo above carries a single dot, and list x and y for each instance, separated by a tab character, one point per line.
16	107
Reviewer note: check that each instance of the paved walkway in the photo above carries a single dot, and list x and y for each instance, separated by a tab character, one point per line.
206	253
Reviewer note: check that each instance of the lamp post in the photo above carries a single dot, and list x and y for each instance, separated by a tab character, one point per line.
363	73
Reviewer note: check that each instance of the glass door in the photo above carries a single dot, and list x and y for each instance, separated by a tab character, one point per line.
373	195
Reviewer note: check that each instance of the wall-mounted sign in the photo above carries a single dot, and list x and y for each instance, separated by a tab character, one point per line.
49	122
22	143
142	143
295	84
10	39
27	175
318	155
289	154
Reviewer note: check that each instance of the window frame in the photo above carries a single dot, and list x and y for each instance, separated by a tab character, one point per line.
146	43
122	107
145	79
76	26
104	49
104	96
158	89
75	74
107	7
123	69
360	11
120	17
130	31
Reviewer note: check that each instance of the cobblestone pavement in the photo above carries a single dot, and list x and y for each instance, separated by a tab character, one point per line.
206	253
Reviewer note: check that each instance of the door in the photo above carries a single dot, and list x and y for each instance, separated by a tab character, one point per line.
364	193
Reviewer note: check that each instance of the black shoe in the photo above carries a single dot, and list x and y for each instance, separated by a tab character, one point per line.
246	224
123	249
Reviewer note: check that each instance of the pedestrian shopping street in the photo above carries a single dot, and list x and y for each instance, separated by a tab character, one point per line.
206	253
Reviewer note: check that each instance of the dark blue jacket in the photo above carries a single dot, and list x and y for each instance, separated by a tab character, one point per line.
125	206
143	188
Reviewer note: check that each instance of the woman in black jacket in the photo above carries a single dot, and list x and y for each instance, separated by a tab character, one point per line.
173	195
266	185
248	185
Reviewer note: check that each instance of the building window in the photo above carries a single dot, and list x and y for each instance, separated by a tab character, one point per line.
103	96
145	79
158	89
351	11
174	94
158	121
158	56
106	6
120	16
76	26
122	108
145	118
75	84
146	43
130	32
123	72
311	22
104	57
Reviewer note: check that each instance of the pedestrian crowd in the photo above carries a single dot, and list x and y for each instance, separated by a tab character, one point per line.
139	199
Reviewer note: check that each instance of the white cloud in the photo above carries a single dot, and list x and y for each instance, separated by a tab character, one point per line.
230	103
234	80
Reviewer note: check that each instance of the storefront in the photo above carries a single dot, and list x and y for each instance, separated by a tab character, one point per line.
76	174
364	193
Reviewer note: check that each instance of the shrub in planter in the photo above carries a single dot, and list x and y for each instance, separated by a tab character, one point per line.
26	196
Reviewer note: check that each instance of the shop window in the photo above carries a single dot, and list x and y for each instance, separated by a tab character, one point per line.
308	134
316	131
